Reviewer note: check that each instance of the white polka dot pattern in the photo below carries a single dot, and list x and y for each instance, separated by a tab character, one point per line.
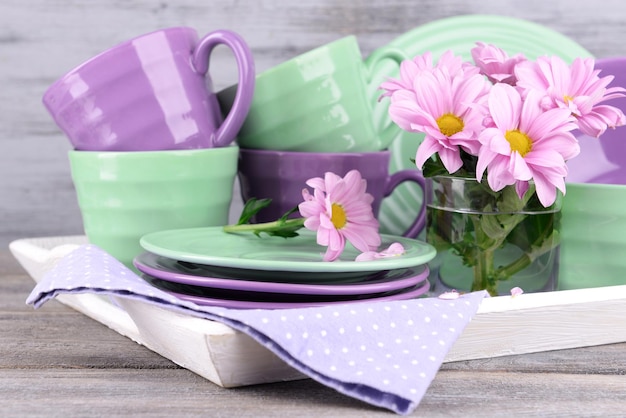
384	353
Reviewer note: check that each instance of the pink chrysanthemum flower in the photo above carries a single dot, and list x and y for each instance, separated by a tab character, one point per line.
516	291
577	88
496	64
448	109
526	143
410	69
340	209
450	295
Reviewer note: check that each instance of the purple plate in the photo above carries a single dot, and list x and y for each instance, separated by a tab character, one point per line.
164	268
253	296
408	293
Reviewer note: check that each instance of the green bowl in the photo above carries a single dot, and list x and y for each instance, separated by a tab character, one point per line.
125	195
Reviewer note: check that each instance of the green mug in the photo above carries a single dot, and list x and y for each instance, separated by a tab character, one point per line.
593	236
320	101
125	195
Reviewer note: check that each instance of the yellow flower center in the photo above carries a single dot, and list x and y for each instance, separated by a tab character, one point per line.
450	124
519	141
567	98
338	216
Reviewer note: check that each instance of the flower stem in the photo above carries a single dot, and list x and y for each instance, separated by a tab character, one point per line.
268	227
484	272
507	272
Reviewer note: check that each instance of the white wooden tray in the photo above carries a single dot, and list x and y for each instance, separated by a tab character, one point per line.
504	325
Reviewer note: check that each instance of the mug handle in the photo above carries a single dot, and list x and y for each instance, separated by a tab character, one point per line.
414	176
392	130
228	130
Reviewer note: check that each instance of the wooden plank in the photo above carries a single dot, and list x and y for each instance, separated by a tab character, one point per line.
507	394
121	392
164	393
36	339
544	321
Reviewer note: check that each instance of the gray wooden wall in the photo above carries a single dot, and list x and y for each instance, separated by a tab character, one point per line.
42	39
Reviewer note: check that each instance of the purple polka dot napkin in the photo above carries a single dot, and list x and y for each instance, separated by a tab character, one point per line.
384	353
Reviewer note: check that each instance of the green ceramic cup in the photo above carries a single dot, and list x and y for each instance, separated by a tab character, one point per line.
125	195
593	231
320	101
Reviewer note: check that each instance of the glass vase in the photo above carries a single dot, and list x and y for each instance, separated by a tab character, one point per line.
488	240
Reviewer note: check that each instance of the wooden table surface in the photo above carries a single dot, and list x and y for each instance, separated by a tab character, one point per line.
57	362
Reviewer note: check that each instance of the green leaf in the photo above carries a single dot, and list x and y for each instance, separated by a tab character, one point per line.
433	167
289	212
469	163
251	208
283	227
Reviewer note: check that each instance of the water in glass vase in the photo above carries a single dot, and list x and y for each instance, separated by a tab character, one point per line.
493	251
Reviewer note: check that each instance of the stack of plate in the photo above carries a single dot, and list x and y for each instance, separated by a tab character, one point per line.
210	267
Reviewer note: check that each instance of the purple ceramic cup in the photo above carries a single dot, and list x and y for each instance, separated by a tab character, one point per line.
281	176
151	93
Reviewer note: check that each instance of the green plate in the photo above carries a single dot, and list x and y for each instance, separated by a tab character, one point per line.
212	246
458	34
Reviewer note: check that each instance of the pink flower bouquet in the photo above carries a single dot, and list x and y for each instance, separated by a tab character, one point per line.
505	126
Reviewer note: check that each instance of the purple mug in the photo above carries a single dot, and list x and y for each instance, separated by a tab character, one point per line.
281	176
152	92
